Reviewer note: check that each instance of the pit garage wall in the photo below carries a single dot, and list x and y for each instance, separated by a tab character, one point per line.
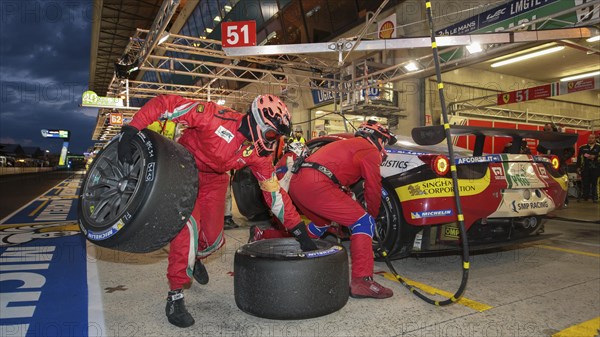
470	83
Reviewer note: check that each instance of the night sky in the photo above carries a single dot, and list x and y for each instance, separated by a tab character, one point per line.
44	69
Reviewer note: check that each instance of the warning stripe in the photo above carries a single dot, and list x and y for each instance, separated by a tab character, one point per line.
587	328
572	251
434	291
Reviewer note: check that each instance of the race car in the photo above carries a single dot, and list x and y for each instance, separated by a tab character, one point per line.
504	196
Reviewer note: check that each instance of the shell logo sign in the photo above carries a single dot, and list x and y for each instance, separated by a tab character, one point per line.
386	28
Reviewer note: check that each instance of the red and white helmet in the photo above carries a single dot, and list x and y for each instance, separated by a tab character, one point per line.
377	134
270	120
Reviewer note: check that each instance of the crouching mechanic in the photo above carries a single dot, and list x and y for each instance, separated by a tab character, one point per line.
220	140
319	188
317	191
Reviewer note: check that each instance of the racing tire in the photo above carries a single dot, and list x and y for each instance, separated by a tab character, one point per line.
138	207
396	235
248	195
275	279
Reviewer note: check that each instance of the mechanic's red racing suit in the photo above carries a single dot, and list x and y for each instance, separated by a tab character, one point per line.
213	138
322	200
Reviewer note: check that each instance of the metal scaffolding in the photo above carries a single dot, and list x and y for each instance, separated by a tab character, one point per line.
215	73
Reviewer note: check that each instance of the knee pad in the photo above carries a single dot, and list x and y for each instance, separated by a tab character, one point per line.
364	225
316	230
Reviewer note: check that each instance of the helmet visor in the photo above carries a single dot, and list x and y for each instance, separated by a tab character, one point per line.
271	135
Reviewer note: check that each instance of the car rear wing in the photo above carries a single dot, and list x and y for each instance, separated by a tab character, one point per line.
431	135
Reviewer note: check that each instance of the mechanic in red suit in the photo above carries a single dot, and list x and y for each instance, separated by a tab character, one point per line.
319	191
220	140
290	152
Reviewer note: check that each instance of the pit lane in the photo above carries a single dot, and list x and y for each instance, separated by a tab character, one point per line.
533	289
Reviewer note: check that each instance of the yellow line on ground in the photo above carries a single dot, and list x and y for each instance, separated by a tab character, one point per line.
58	197
586	329
38	208
434	291
572	251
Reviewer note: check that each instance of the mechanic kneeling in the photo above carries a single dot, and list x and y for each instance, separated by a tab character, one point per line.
319	188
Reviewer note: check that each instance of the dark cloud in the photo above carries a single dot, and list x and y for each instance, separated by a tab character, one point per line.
44	67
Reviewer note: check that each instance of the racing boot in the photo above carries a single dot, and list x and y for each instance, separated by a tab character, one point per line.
228	223
176	312
365	287
255	234
200	273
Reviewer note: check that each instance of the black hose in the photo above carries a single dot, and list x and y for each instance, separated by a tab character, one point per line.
460	217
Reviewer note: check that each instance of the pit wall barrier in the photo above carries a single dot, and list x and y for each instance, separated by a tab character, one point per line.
21	170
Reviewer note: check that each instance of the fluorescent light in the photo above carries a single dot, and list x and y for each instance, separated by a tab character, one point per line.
217	18
412	66
208	30
163	37
227	8
528	56
594	38
474	48
576	77
220	102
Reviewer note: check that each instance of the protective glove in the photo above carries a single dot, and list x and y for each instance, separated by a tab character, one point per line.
124	147
301	234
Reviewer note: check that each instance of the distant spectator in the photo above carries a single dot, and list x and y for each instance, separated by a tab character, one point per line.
322	133
588	166
523	149
298	135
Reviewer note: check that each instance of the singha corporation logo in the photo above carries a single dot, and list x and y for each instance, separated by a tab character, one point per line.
414	190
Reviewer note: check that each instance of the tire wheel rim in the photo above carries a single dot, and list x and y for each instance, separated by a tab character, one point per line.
111	186
382	225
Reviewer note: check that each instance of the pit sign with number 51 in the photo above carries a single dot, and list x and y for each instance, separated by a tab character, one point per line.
238	34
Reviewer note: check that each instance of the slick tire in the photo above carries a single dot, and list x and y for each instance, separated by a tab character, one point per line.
138	207
274	279
248	195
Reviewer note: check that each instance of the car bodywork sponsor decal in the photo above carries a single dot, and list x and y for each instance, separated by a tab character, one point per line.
443	187
431	214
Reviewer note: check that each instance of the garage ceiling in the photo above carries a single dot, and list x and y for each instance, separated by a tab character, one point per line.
121	20
578	57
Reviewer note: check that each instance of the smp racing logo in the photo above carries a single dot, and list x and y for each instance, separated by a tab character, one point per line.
516	207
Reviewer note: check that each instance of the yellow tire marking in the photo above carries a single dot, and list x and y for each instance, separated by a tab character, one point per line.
434	291
588	328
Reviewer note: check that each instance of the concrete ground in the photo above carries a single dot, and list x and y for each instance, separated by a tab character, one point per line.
537	289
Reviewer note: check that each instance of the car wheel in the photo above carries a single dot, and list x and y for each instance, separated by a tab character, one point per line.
138	207
390	222
275	279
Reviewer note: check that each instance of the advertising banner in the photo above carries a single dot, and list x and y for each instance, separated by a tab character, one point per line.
63	134
386	28
548	90
90	99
